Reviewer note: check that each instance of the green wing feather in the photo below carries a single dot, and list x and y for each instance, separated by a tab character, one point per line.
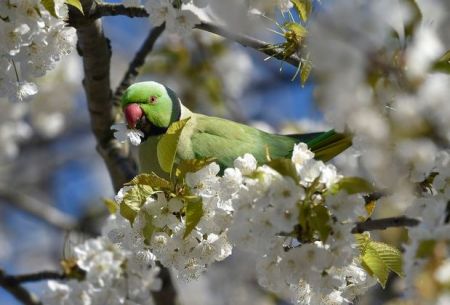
226	140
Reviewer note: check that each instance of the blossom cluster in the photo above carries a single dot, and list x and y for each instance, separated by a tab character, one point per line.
272	214
394	100
186	252
296	223
106	273
46	116
391	100
427	254
32	42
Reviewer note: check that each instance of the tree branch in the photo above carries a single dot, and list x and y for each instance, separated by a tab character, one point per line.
250	42
137	62
38	209
245	40
95	49
111	9
384	223
19	292
33	277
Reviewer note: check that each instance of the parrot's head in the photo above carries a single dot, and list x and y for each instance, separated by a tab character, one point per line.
150	107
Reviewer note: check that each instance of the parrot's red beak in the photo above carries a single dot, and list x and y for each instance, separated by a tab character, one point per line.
133	113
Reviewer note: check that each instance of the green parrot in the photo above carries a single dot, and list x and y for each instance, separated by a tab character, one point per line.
152	107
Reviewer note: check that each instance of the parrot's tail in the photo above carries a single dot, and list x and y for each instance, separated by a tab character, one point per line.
325	145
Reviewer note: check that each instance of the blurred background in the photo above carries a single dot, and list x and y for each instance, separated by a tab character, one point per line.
52	181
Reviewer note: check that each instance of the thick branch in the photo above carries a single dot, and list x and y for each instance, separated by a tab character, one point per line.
36	208
384	223
137	62
245	40
19	292
94	47
111	9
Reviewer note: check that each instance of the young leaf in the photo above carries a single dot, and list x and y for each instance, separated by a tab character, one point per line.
152	180
285	167
391	256
374	265
296	28
426	248
194	212
111	205
353	185
362	240
305	72
148	229
370	207
192	165
443	63
76	4
49	5
133	200
378	258
319	221
415	19
166	149
303	7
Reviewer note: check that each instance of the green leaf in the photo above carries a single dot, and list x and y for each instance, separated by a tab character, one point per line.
443	63
111	205
49	5
194	212
285	167
370	208
375	266
192	165
296	28
76	4
127	212
362	240
166	149
426	248
353	185
133	200
378	259
319	221
303	8
303	221
305	72
148	229
415	20
152	180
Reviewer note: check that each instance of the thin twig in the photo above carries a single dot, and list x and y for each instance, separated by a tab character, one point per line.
36	208
384	223
34	277
19	292
250	42
137	62
245	40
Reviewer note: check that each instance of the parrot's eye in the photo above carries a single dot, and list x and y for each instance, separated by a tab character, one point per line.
152	99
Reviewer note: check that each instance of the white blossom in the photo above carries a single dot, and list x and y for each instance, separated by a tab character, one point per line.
123	133
32	43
